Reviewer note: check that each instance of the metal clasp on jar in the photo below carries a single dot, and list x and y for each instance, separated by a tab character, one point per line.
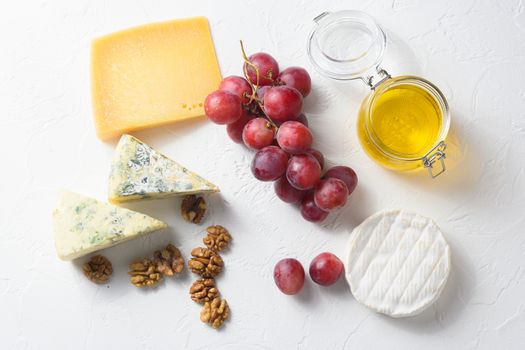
374	80
436	154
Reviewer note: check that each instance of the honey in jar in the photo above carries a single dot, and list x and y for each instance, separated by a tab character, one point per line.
403	122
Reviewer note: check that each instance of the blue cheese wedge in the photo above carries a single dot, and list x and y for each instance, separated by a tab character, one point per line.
83	225
140	172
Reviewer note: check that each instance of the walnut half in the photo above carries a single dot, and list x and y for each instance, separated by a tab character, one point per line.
144	274
205	262
215	312
98	269
193	208
168	261
218	238
203	290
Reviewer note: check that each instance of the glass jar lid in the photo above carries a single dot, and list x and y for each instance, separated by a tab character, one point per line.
346	45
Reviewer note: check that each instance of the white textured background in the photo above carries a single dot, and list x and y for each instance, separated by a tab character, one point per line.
473	50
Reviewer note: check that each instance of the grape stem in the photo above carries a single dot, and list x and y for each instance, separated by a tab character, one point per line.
255	86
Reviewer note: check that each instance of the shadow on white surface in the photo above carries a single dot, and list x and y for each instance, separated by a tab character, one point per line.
352	214
340	289
311	291
400	58
165	134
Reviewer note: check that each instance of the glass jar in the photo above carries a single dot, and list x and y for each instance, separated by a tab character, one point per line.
403	122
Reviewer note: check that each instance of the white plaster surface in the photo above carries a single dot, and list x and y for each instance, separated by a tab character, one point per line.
473	50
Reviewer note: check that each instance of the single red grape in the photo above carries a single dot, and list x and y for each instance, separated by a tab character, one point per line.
261	91
269	163
298	78
294	137
237	86
288	275
318	155
283	103
330	194
344	173
286	192
258	133
235	129
310	211
325	269
303	171
302	119
223	107
268	69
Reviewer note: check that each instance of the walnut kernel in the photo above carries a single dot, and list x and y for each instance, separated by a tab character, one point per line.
218	238
168	261
193	208
205	262
144	274
203	290
215	312
98	269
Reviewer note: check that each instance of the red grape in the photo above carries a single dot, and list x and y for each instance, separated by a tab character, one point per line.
310	211
294	137
269	163
258	133
288	275
318	155
330	194
286	192
298	78
268	69
302	119
223	107
325	269
345	174
237	86
283	103
261	91
303	171
235	129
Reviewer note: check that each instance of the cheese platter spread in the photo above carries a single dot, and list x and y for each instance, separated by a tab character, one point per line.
397	262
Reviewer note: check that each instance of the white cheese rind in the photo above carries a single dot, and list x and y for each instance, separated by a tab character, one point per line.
83	225
140	172
397	263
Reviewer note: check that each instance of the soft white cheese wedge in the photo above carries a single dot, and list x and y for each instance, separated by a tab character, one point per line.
83	225
397	262
140	172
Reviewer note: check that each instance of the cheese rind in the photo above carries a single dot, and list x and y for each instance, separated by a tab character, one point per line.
140	172
83	225
152	75
397	263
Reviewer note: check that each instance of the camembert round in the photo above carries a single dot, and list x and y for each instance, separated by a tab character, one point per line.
397	262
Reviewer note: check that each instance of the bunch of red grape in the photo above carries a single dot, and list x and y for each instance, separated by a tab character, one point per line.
263	110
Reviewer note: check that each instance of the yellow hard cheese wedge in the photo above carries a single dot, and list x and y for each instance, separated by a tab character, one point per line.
140	172
152	75
84	225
